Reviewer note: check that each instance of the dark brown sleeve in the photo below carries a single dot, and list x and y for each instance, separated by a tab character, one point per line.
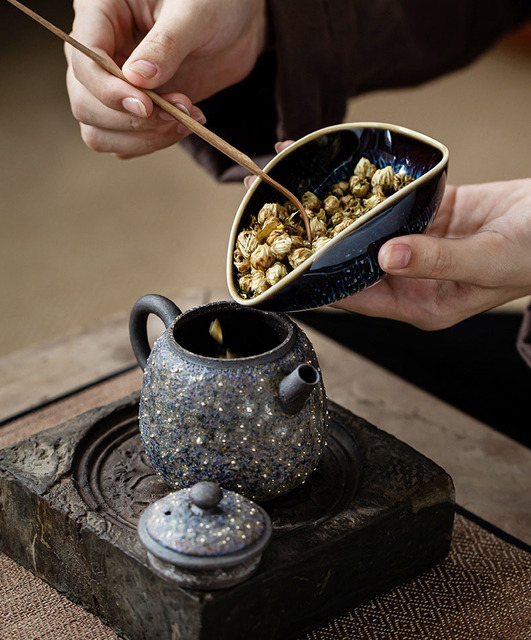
524	337
326	51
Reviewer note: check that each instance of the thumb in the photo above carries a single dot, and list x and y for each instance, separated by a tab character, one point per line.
423	256
156	59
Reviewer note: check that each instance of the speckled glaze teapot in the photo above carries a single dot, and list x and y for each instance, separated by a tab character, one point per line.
250	415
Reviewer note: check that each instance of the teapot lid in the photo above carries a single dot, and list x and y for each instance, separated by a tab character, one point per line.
203	527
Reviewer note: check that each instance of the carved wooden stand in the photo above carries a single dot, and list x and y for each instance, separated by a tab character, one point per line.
374	514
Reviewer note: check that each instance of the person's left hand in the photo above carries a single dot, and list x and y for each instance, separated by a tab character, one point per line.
475	256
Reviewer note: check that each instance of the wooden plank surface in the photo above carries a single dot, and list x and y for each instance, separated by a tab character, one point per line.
490	470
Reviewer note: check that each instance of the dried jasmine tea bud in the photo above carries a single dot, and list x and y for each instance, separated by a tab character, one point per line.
373	201
241	262
336	190
348	201
294	228
364	168
281	245
337	218
317	227
271	221
215	331
271	209
293	225
276	233
258	282
262	257
216	334
247	242
269	225
229	355
401	180
342	226
275	273
290	208
383	178
320	215
297	242
310	201
320	242
298	256
244	282
358	186
331	204
355	211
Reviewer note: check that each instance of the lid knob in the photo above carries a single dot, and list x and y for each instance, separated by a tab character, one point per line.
206	495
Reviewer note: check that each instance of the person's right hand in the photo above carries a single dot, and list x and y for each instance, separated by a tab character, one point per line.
475	256
187	50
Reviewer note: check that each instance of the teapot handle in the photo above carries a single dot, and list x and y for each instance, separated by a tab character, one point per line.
162	307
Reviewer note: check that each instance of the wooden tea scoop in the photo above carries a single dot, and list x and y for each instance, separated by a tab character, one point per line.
207	135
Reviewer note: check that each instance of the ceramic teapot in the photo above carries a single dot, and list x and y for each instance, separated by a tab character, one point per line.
249	414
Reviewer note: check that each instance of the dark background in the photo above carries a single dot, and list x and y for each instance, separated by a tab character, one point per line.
473	366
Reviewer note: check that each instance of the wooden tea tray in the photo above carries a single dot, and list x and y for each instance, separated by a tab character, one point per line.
374	514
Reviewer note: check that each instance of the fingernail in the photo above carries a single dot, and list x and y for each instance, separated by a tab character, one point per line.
199	116
144	68
135	106
247	181
395	256
277	146
167	116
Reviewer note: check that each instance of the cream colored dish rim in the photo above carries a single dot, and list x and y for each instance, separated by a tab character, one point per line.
293	275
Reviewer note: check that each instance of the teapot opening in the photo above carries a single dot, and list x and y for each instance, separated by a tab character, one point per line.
245	332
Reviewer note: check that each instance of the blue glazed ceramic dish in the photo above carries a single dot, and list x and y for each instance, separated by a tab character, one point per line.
349	262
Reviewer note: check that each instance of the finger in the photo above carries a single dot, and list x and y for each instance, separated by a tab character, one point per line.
159	55
183	103
125	144
472	260
249	180
109	90
92	28
87	109
280	146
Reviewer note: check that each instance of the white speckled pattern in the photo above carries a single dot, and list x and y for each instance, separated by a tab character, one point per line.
210	419
176	524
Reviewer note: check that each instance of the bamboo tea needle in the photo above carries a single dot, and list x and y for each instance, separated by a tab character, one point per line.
222	145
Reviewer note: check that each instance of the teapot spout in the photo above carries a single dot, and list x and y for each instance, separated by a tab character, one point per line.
295	388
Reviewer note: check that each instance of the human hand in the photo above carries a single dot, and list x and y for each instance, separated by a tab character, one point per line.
475	256
187	50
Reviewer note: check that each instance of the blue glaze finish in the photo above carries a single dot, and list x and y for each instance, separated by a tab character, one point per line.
352	265
347	264
206	418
